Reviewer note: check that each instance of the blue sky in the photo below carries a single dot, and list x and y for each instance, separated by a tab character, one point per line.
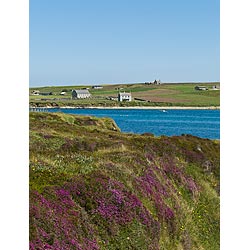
94	41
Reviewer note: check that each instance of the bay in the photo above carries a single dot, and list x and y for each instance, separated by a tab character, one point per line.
201	123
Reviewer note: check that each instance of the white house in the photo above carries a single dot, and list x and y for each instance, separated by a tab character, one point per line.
200	88
215	87
35	92
81	93
124	97
97	87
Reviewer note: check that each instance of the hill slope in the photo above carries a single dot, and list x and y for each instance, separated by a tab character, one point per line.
93	187
177	94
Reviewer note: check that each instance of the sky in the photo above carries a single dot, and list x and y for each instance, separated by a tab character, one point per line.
73	42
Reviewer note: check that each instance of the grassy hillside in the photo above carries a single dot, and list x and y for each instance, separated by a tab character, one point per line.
182	94
93	187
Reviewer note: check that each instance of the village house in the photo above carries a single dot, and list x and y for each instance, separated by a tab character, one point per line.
124	97
80	94
215	87
155	82
35	92
200	88
97	87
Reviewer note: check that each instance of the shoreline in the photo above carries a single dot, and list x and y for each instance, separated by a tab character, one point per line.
134	107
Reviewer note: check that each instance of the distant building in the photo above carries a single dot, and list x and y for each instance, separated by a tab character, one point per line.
35	92
81	93
200	88
124	97
97	87
215	88
155	82
45	93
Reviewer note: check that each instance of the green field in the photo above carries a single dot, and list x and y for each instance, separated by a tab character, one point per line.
178	94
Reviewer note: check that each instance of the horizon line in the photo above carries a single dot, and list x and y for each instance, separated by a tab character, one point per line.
92	84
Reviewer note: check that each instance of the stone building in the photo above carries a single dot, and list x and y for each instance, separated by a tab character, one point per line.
81	93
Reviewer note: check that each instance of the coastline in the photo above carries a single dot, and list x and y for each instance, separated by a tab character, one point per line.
168	107
134	107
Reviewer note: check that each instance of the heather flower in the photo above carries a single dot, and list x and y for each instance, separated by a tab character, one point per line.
118	196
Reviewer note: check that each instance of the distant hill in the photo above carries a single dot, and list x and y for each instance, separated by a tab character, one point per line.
164	94
93	187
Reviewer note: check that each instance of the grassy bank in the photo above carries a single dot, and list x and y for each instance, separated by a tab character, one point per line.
182	94
93	187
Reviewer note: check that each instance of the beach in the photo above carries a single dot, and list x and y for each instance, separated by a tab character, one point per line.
144	107
134	107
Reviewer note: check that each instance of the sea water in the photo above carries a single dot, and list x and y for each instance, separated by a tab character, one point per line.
197	122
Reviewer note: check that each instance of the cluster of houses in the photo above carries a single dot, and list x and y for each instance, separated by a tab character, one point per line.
37	92
155	82
206	88
121	97
84	93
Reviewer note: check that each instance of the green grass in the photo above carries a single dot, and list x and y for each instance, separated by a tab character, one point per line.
160	95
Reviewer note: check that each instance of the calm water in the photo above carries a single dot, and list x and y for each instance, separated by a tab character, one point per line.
202	123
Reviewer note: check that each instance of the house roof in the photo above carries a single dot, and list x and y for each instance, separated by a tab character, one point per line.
81	91
124	94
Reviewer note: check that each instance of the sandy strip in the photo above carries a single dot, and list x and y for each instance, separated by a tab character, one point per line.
161	108
135	107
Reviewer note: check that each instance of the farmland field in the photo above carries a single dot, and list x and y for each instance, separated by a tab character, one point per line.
178	94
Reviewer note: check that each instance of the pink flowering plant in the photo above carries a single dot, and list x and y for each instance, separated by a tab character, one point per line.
93	187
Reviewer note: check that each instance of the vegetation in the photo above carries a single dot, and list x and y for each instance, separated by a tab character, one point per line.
181	94
93	187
